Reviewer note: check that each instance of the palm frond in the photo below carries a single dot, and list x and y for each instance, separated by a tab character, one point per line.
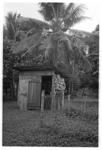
59	50
46	11
63	69
27	43
74	15
79	53
10	31
85	63
69	8
77	20
51	10
66	47
61	10
50	45
81	59
11	24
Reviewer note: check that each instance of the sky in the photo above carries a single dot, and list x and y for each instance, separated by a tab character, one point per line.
31	10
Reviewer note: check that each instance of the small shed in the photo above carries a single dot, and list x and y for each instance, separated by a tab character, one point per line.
32	81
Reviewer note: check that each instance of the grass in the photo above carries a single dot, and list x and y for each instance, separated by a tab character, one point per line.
32	128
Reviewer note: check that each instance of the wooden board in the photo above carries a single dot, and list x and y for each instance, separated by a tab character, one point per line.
32	74
34	94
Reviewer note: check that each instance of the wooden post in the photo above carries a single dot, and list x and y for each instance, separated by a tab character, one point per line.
58	102
69	102
62	99
42	100
69	92
53	95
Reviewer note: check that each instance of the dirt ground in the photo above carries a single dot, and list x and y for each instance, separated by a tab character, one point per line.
74	128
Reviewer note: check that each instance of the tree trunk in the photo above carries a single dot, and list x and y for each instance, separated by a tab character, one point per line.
42	100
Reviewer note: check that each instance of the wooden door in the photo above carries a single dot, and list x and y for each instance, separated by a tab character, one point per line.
34	94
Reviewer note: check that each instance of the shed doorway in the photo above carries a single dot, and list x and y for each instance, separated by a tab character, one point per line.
47	87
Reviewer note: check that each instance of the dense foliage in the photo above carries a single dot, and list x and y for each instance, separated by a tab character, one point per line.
50	42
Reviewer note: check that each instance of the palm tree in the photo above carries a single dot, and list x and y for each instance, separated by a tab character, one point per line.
61	49
61	18
12	25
